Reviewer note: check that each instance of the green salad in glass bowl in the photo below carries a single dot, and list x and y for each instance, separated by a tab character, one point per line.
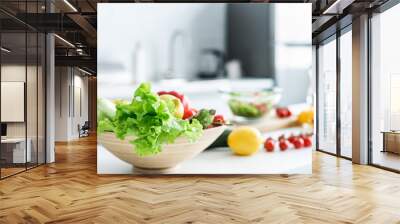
252	104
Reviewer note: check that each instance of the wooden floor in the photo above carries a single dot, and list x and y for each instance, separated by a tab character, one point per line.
70	191
387	159
8	171
5	172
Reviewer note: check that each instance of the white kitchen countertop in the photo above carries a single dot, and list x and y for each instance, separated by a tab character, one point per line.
223	161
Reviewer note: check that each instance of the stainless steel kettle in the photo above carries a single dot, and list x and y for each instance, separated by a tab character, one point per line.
211	64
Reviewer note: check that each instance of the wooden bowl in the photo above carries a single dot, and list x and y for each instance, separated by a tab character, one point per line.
170	156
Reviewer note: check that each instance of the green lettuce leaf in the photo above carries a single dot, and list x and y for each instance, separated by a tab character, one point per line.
105	115
149	122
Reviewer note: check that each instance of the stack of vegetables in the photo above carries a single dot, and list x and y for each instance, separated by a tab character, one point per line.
154	119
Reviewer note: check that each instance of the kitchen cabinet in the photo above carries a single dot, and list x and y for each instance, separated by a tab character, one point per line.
391	141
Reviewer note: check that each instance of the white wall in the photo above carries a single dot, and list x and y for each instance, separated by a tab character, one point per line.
69	83
81	103
12	73
293	51
149	27
293	36
295	84
61	103
34	125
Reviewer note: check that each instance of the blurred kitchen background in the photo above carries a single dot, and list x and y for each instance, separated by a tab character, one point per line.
200	48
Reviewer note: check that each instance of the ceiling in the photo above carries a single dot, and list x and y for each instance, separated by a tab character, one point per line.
76	21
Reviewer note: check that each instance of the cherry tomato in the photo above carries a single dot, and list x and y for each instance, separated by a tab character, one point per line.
307	142
283	145
298	143
302	135
279	112
269	145
189	113
219	119
281	137
283	112
291	138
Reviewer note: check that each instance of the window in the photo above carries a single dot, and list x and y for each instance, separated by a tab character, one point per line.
327	96
385	89
346	93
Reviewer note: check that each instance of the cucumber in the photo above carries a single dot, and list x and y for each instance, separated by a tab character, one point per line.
221	141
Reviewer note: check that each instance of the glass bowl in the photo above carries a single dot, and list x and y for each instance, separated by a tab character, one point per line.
251	104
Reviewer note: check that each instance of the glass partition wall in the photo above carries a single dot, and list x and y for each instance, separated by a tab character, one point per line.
13	88
334	127
327	96
385	90
22	76
345	92
334	94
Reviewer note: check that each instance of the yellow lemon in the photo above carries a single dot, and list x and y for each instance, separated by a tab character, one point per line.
244	140
306	117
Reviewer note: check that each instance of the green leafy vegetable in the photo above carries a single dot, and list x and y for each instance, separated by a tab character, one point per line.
205	117
105	115
245	109
150	122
